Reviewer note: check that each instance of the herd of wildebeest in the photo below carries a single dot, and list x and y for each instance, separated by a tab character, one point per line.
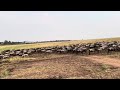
81	49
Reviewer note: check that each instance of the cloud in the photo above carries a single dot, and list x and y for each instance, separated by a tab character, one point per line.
44	14
44	25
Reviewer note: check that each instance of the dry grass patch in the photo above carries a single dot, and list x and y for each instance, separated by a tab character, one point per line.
4	73
5	70
18	59
34	57
50	44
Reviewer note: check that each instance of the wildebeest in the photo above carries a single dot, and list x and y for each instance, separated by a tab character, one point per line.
88	48
1	56
24	55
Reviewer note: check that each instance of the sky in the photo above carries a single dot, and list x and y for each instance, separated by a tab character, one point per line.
58	25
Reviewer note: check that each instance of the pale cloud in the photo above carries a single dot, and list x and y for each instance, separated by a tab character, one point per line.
44	25
44	14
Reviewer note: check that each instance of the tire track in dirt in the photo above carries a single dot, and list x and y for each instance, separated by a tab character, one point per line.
104	60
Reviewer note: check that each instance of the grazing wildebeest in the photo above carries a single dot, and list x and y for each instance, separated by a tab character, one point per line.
91	50
24	55
69	49
12	53
5	52
118	48
5	57
48	51
82	50
18	52
110	49
1	56
88	48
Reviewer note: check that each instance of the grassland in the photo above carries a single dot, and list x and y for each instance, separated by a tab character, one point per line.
47	44
60	66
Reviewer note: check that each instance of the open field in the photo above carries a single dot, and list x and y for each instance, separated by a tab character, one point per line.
48	44
61	66
69	66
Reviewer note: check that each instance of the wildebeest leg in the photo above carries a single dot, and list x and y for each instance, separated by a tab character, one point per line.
86	52
78	52
98	51
82	53
108	51
73	51
70	51
89	52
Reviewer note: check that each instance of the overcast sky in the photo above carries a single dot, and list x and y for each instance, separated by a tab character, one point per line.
58	25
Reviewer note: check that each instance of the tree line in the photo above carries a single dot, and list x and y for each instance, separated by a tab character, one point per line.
7	42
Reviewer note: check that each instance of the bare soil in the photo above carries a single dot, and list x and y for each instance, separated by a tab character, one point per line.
105	60
65	67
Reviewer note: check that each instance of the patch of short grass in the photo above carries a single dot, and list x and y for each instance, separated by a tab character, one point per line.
105	67
33	57
18	59
56	77
4	73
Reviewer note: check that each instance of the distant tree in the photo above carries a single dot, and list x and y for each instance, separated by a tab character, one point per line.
9	42
6	42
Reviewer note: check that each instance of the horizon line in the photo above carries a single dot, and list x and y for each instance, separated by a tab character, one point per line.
61	39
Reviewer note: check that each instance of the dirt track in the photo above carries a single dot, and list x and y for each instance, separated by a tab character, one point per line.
104	60
68	66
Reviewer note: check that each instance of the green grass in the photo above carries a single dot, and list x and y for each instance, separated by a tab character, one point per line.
34	57
4	73
104	67
48	44
18	59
